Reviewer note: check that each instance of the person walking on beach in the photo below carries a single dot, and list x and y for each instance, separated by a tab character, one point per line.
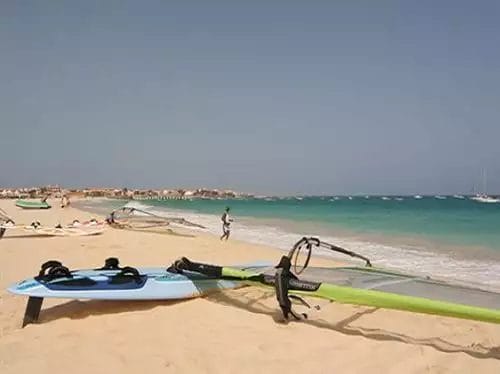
226	222
64	201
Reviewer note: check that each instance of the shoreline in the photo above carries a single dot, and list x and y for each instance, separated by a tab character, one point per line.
405	240
427	240
467	265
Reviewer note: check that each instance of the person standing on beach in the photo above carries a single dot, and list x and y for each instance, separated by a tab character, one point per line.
64	201
226	222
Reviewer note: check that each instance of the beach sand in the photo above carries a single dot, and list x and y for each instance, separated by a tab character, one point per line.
237	331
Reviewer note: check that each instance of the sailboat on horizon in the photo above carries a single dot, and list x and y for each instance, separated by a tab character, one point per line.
484	197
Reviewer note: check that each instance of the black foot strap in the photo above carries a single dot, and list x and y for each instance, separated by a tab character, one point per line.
111	263
33	308
184	264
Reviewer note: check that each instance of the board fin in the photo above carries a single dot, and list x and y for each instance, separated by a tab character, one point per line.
32	312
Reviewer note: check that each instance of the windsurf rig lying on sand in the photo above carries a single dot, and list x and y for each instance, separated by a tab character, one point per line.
367	285
358	285
129	218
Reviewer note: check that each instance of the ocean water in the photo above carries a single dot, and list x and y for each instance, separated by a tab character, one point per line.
445	237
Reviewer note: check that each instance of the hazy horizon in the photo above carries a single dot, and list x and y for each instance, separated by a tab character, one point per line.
257	194
263	97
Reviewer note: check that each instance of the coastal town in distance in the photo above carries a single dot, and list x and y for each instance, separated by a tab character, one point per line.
119	193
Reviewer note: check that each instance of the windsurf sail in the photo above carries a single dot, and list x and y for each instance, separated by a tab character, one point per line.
366	285
5	222
4	217
133	218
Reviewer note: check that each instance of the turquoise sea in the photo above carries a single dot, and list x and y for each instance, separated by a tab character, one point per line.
446	236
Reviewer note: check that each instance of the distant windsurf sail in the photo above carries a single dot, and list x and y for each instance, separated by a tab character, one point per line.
5	220
133	218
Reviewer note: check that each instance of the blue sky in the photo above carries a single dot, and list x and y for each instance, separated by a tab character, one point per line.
271	97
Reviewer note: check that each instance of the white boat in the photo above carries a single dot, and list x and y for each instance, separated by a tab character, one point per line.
458	196
418	197
385	198
483	197
439	197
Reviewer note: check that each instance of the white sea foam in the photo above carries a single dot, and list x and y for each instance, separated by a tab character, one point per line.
414	260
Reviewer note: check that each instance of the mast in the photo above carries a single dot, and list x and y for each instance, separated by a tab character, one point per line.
485	192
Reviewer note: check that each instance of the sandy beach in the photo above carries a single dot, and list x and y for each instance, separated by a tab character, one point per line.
237	331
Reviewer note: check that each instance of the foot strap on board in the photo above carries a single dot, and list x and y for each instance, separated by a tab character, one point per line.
111	263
